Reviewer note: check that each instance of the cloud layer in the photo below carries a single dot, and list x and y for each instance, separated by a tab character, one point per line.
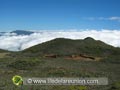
13	42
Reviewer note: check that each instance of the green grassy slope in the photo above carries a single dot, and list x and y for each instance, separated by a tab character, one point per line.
63	46
30	63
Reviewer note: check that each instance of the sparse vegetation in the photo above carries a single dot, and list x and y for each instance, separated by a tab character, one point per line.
24	64
31	63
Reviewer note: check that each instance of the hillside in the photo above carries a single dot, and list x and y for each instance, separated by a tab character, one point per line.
3	51
62	46
62	58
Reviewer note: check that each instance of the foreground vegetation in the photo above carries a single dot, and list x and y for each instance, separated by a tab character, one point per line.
32	63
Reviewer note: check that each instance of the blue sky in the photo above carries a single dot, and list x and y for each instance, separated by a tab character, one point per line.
59	14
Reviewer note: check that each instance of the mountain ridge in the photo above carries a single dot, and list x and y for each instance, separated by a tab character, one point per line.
64	46
22	32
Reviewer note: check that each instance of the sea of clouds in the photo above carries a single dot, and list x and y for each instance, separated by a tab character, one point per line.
13	42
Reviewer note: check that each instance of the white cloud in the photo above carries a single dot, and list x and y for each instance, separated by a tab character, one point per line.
21	42
113	18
